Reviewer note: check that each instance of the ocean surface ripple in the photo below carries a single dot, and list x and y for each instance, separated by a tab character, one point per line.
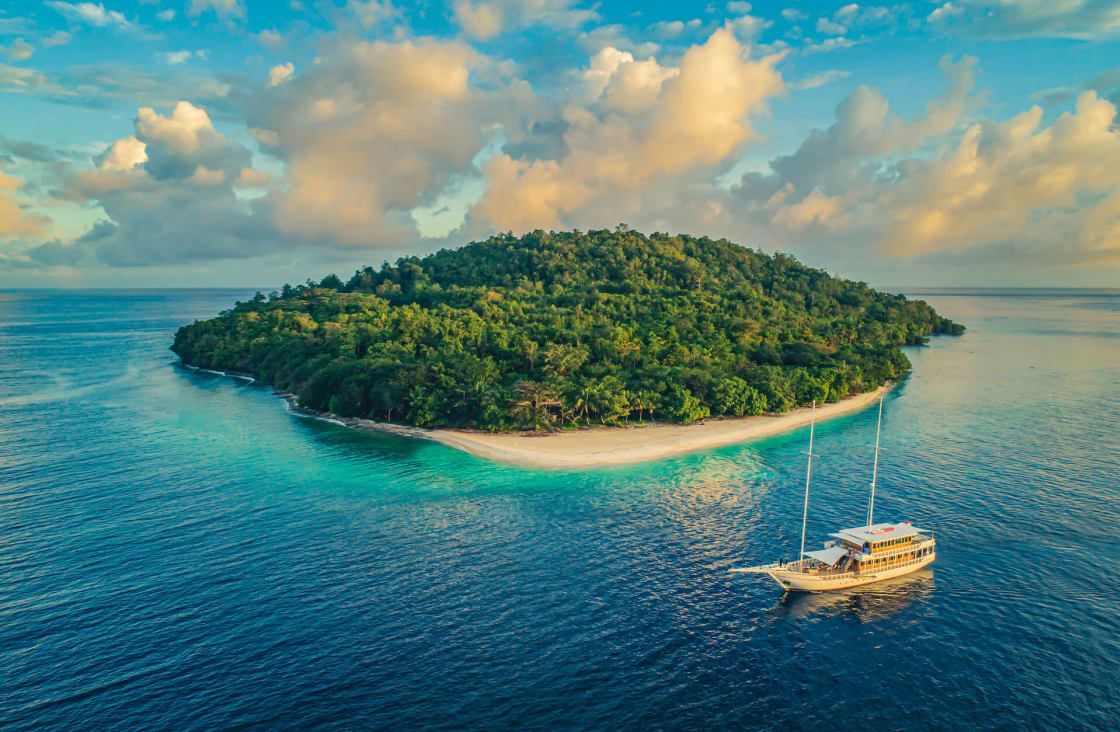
180	552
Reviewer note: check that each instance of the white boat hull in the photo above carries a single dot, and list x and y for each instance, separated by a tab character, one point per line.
805	582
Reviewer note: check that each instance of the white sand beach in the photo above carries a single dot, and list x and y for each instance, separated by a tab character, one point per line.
602	446
594	447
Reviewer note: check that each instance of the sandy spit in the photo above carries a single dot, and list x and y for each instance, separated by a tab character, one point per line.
604	446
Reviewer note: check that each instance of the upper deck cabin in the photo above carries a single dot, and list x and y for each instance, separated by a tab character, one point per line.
875	548
880	538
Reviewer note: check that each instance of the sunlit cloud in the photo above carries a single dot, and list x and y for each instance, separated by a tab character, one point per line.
391	129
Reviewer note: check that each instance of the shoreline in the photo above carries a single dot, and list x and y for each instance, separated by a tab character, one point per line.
602	446
599	446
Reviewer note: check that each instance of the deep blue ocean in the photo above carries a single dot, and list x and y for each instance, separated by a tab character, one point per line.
178	551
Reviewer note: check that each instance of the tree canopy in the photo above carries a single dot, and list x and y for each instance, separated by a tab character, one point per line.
555	329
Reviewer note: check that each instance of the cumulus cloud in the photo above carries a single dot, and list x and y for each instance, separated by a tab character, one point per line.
843	157
124	155
1015	181
280	72
903	188
179	143
371	132
168	194
1081	19
371	135
620	83
648	123
865	127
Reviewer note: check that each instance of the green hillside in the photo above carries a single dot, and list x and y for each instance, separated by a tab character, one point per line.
558	329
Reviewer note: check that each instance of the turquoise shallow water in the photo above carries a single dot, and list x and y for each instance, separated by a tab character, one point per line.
179	552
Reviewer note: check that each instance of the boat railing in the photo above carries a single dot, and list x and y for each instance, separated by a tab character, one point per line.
895	565
815	568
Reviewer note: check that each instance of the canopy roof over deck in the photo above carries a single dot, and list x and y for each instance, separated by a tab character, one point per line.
877	532
829	555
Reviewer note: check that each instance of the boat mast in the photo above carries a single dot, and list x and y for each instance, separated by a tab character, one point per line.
875	467
808	472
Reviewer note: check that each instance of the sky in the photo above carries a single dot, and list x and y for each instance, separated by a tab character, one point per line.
196	143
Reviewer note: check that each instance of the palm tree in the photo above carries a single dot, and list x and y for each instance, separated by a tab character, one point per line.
646	401
532	403
583	402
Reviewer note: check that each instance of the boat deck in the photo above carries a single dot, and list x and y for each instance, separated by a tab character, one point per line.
813	568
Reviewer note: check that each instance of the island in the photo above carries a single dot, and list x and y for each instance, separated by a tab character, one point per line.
557	332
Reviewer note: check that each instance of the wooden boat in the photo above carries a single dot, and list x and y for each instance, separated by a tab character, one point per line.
857	556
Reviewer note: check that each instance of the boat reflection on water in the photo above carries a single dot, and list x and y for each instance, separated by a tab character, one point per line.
864	604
